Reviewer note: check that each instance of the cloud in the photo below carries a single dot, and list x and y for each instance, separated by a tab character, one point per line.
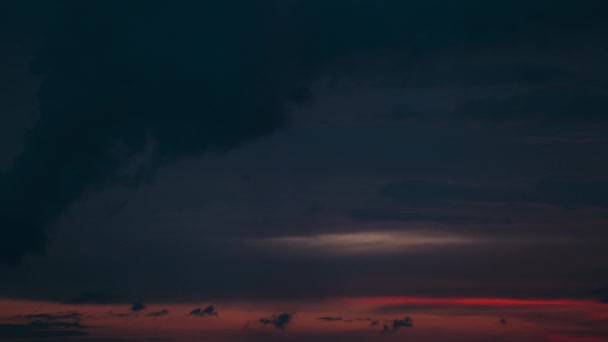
157	314
138	306
202	312
280	321
330	319
360	243
115	88
41	330
106	100
503	321
407	322
44	325
52	317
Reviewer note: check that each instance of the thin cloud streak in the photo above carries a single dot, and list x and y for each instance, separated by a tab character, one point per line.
360	243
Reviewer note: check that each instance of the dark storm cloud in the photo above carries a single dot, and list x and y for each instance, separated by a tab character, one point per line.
280	321
206	311
157	314
114	86
546	107
171	82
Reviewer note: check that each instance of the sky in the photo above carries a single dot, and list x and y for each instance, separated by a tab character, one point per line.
290	170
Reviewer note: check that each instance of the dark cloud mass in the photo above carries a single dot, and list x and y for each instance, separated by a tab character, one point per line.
219	151
121	80
113	86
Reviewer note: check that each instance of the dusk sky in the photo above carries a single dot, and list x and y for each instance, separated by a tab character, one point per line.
304	170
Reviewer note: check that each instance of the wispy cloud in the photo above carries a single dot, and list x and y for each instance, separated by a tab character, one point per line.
330	319
360	243
157	314
51	317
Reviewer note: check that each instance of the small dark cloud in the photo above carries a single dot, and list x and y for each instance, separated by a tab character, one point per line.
157	314
330	319
406	322
503	321
280	321
138	306
202	312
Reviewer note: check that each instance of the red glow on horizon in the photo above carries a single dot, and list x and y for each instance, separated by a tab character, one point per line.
470	301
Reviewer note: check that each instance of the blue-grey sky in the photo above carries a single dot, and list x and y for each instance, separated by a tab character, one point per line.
295	149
